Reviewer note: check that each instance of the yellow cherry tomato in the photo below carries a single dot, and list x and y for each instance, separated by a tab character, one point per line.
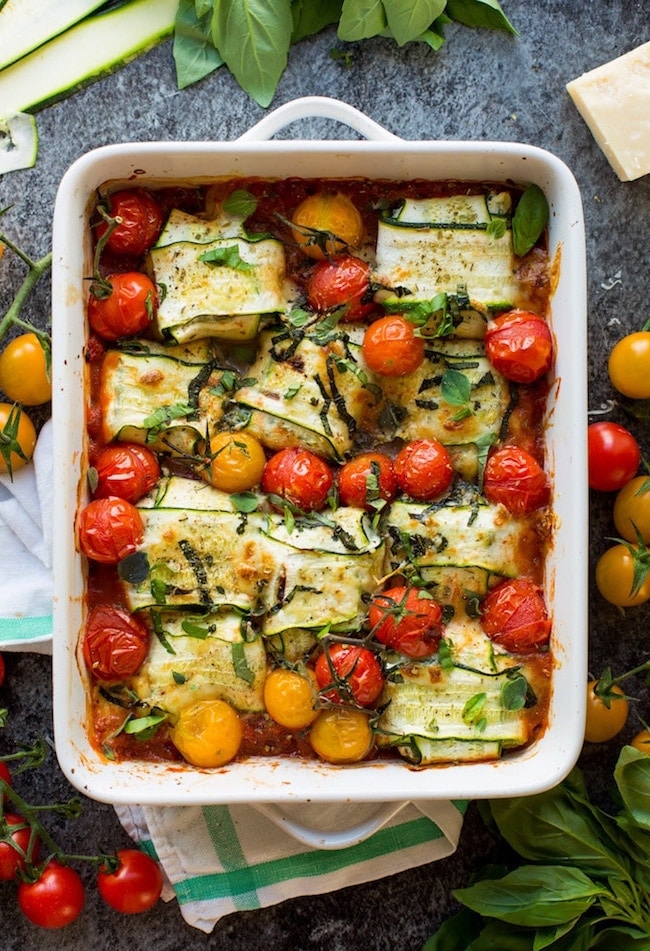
17	438
327	224
641	741
24	376
629	365
341	735
236	462
290	697
632	509
208	733
604	722
615	577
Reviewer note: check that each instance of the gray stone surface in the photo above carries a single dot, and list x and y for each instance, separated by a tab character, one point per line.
482	85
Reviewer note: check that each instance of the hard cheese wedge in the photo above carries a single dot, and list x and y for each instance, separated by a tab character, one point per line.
614	101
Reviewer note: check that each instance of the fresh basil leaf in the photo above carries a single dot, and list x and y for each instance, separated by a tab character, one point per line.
632	776
514	693
533	895
529	220
254	37
245	502
144	727
504	937
361	19
199	631
455	387
496	228
473	709
178	677
242	670
195	56
134	568
486	14
435	37
456	933
310	18
407	19
622	937
240	203
226	257
202	7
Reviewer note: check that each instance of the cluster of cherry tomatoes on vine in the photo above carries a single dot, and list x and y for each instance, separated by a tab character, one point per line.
622	572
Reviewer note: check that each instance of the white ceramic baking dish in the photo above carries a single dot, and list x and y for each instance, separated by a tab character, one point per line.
382	155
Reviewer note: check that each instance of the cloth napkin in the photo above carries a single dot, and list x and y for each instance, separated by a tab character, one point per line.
217	859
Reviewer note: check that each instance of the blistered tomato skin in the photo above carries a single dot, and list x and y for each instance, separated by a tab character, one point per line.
391	346
298	476
115	644
423	469
291	697
514	616
519	346
367	480
342	282
126	470
407	620
614	456
341	735
141	220
126	310
208	733
109	529
348	673
236	462
326	224
514	478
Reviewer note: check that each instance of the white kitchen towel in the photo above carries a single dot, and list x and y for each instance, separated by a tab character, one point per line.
222	859
26	552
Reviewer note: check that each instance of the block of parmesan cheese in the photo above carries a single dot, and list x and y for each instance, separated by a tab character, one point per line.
614	101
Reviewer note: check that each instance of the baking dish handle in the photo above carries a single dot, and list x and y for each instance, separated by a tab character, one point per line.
322	107
341	839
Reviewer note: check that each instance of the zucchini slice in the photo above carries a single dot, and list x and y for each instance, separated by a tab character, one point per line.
18	142
27	24
438	245
93	48
166	397
211	657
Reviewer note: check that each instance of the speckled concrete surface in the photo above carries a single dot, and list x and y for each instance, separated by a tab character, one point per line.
480	86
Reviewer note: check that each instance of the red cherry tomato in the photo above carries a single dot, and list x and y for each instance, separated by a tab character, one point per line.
115	643
343	282
141	221
514	616
515	479
300	477
614	456
423	469
352	672
109	529
127	309
391	347
367	479
126	470
54	900
134	886
407	620
519	346
11	860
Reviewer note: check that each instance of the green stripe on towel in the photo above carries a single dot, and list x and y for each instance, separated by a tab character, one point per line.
25	628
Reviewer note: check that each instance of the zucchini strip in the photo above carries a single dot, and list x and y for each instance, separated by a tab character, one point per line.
27	24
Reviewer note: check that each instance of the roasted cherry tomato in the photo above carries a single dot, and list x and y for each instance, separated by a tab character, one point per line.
629	365
55	899
326	224
109	529
632	510
623	576
349	673
519	346
514	615
126	310
141	220
291	697
12	860
115	644
606	716
515	479
342	282
127	470
341	735
134	886
17	438
208	733
236	462
391	346
366	480
24	374
641	741
614	456
423	469
407	620
300	477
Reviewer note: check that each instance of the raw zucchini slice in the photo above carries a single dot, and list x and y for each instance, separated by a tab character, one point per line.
18	142
166	397
312	395
219	287
93	48
213	657
438	245
27	24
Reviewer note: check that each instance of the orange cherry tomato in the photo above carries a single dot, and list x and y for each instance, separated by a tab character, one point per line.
291	697
605	718
236	462
326	224
18	438
208	733
341	735
391	346
24	374
629	365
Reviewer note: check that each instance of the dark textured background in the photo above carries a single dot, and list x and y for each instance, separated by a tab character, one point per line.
481	85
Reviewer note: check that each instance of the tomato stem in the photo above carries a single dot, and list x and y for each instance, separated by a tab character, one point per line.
36	270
